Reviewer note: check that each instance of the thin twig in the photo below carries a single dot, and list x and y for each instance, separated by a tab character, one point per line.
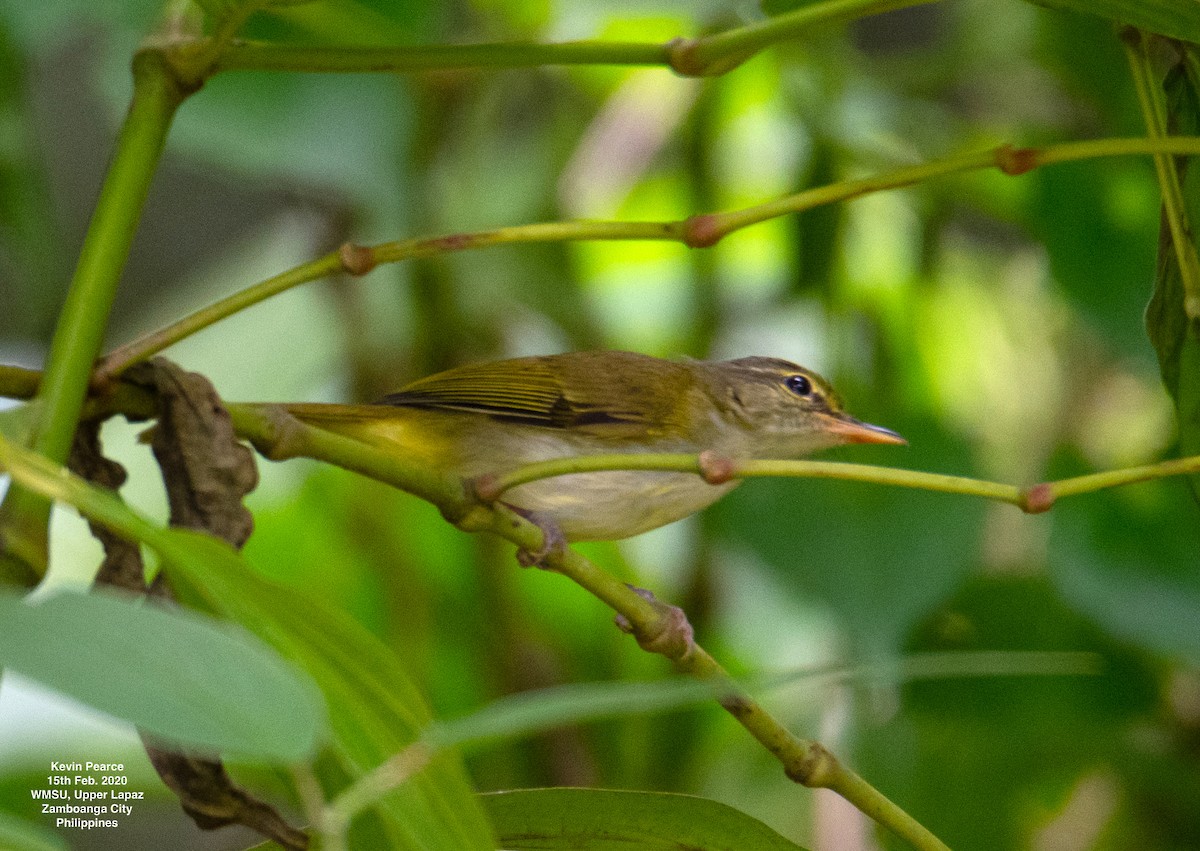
1154	114
656	626
1032	499
697	231
702	56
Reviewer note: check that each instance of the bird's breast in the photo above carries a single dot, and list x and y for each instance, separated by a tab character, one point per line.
604	505
616	504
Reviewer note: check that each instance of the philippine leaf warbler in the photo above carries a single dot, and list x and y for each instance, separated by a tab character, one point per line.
491	418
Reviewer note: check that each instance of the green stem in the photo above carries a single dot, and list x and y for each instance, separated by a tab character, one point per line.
806	762
120	359
84	317
1093	482
722	224
683	463
869	801
882	475
280	436
1154	113
1013	161
370	788
708	55
1032	499
360	260
697	231
1095	148
268	426
50	481
278	57
17	382
578	231
721	51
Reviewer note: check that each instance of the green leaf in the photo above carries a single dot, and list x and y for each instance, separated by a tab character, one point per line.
28	227
1112	209
1130	565
605	820
216	9
1095	258
374	708
1003	747
178	675
1175	335
1153	610
531	712
1175	18
219	10
866	7
19	835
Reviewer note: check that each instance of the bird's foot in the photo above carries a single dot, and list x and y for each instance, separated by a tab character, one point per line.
554	542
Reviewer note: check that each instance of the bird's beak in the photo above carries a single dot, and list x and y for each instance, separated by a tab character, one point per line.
851	430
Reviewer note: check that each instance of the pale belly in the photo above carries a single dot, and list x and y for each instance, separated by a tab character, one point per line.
587	506
616	504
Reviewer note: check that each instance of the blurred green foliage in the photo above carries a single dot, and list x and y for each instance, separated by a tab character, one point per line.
995	321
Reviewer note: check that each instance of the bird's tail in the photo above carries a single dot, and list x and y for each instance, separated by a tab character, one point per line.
362	422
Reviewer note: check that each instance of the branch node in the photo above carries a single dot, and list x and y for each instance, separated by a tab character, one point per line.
100	382
1037	499
816	769
357	260
486	488
468	516
1016	161
164	61
716	469
1131	36
681	56
284	437
702	231
471	513
670	634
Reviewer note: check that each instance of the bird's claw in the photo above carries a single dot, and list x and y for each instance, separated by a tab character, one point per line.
554	542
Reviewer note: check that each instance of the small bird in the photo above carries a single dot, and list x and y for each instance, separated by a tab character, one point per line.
491	418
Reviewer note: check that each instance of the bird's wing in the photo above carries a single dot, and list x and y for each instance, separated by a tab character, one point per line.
579	391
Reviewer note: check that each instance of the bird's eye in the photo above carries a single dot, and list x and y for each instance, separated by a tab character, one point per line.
799	384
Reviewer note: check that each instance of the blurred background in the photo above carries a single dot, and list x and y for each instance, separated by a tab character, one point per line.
996	322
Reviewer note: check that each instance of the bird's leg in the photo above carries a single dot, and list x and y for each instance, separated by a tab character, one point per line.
554	542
